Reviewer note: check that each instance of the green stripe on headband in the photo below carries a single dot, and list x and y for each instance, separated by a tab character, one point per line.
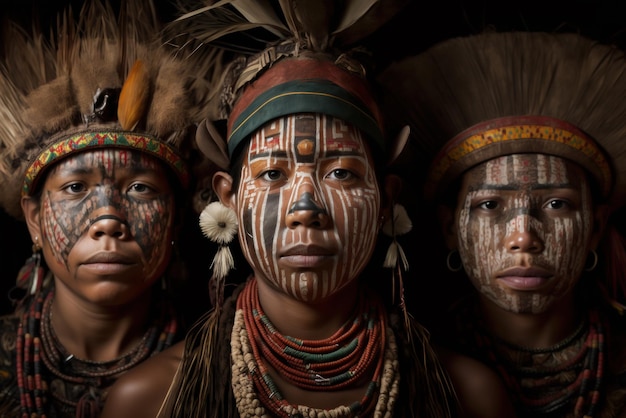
107	139
304	96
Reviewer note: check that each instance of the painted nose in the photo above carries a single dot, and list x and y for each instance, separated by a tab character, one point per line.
306	211
109	225
522	237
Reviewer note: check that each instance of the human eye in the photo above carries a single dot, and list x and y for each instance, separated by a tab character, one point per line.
139	188
271	175
557	204
75	188
488	205
340	174
142	190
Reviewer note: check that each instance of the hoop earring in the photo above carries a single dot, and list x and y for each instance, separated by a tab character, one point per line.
595	261
451	254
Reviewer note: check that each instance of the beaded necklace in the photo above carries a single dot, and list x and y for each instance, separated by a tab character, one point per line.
318	365
40	355
543	381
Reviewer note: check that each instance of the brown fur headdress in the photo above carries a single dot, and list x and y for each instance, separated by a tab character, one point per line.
100	80
473	98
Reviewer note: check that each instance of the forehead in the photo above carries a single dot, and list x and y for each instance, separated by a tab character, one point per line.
307	134
527	169
108	157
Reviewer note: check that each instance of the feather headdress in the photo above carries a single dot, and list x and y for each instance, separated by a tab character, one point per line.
472	98
280	52
98	81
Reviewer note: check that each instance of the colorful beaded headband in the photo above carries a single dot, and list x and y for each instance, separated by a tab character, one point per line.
518	134
105	139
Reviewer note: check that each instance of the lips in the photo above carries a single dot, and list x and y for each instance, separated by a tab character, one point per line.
108	258
303	256
519	278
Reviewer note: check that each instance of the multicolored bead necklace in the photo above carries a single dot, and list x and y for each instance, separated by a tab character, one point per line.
546	380
364	348
39	353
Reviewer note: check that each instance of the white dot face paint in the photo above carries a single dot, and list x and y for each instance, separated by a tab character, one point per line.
308	202
524	226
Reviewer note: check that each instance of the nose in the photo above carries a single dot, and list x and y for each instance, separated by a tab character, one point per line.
522	237
306	211
109	225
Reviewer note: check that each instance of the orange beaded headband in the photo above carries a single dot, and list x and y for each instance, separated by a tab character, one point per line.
512	135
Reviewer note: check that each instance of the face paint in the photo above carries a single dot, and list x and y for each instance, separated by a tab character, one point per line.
126	187
524	229
308	203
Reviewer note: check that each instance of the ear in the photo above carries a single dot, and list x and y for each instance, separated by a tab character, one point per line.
223	188
445	216
30	208
600	220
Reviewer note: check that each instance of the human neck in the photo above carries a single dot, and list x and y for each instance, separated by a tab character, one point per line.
96	333
307	321
539	330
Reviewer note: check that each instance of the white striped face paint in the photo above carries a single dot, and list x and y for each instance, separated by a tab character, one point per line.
308	205
524	229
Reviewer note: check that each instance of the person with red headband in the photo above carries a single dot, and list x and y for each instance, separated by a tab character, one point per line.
315	330
524	135
97	158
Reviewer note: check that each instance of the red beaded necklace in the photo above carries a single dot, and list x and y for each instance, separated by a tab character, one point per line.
353	353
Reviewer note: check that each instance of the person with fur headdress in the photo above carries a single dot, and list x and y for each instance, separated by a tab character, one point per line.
96	156
303	182
524	134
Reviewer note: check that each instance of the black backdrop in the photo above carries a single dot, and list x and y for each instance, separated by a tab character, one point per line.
422	24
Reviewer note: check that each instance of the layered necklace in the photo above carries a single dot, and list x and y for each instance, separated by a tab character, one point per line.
544	381
362	351
45	369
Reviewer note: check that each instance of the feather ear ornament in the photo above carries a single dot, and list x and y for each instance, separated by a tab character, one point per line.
398	224
219	224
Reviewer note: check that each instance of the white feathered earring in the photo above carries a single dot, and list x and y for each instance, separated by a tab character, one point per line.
219	224
398	224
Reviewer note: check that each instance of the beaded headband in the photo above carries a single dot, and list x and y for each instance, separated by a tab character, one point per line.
517	134
97	140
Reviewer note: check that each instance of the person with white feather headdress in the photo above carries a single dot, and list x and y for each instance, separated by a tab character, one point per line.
96	157
318	328
524	135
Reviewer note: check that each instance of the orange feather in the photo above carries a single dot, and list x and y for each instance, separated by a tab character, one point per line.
134	97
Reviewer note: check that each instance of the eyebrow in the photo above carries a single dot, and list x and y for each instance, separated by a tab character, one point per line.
512	187
97	169
269	154
329	154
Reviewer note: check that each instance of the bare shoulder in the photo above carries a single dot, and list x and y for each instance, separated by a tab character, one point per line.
140	392
479	388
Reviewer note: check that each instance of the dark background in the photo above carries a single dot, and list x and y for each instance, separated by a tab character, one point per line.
419	26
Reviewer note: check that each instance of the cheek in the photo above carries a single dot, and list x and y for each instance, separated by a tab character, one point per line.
63	225
567	245
151	225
